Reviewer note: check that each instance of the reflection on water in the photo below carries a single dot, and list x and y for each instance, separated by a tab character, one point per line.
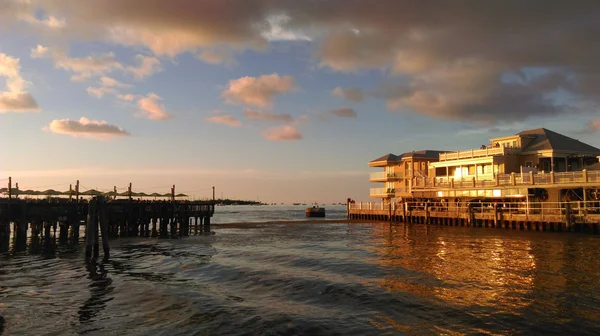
311	279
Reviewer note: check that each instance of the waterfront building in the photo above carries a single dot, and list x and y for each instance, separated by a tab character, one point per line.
505	167
535	175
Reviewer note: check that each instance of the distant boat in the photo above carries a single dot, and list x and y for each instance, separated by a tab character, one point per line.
315	211
303	203
297	204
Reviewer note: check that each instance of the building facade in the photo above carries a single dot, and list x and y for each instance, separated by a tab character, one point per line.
517	165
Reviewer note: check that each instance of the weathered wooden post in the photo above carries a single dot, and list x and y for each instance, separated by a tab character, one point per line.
77	191
568	216
495	215
91	230
103	227
153	234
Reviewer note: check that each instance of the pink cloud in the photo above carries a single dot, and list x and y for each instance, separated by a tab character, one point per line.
225	120
151	109
257	91
344	112
85	127
285	132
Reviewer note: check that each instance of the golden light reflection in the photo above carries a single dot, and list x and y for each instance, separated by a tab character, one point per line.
456	266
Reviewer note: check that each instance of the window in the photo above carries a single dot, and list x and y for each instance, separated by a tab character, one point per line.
528	164
546	166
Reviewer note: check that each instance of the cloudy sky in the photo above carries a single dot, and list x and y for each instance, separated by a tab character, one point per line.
280	100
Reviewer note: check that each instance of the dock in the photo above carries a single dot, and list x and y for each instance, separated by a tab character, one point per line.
534	216
63	217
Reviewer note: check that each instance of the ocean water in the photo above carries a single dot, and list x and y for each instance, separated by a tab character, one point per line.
310	278
271	213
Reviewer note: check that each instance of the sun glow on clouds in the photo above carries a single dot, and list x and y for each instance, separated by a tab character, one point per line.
286	132
257	91
265	116
225	120
85	127
151	109
15	99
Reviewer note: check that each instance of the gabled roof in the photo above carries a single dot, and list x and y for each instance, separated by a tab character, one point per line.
386	158
545	139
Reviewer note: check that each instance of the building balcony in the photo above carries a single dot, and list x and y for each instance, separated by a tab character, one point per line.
384	177
575	178
382	192
477	153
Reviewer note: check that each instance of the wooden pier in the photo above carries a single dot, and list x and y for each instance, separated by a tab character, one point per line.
550	216
113	217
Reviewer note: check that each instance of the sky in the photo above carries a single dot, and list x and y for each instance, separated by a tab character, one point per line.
279	100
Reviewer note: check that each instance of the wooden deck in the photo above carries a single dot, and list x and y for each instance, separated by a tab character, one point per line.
575	221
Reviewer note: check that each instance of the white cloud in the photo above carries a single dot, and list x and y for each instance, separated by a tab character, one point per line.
151	109
258	91
277	30
14	99
85	127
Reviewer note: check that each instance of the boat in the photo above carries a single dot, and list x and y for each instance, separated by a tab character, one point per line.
315	211
296	203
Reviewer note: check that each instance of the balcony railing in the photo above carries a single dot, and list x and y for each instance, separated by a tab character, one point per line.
504	180
475	153
384	176
382	192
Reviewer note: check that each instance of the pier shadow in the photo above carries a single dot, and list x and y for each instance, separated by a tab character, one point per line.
100	290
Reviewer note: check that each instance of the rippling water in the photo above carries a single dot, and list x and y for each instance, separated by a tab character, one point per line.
271	213
311	279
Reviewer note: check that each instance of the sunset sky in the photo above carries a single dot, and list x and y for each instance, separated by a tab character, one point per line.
280	100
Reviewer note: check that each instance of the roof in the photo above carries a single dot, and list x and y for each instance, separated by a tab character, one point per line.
387	158
545	139
422	154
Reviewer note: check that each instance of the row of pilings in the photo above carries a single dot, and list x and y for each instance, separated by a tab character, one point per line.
523	225
50	220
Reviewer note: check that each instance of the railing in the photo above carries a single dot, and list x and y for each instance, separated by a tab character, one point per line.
474	153
384	176
401	191
377	176
578	208
382	192
502	180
